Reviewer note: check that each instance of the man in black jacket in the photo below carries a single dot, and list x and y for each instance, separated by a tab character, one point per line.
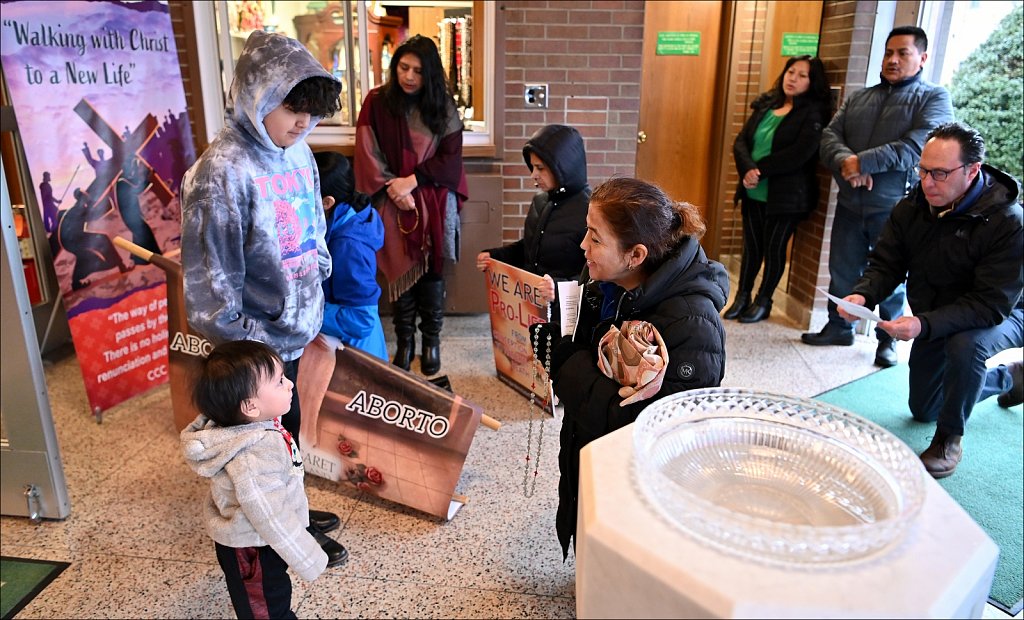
958	240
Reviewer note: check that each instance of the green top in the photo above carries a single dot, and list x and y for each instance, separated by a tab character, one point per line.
763	137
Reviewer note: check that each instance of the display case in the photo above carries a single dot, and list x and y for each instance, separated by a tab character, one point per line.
334	33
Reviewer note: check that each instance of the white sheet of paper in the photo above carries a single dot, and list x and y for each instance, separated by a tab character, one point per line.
858	311
569	304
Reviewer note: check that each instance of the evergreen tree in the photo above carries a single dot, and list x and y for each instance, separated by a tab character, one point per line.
988	93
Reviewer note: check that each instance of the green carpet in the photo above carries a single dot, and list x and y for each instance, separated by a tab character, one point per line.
21	580
988	483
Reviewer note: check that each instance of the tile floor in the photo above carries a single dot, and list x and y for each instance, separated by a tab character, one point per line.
137	548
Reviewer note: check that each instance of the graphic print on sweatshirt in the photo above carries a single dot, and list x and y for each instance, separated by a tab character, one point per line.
294	216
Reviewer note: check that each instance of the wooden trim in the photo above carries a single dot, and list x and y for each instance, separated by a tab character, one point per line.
477	57
497	81
719	124
183	22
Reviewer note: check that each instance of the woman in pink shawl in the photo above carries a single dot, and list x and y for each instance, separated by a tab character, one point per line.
409	159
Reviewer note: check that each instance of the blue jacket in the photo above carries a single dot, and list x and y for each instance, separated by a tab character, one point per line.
885	126
352	292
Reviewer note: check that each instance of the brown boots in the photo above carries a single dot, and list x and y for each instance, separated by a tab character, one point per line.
943	455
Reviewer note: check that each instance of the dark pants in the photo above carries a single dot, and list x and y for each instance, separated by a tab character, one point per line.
258	581
853	238
292	421
765	239
948	375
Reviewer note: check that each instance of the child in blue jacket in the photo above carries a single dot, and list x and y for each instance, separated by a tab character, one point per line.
354	234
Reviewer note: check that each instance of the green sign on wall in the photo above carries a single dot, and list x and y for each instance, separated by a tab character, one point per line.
799	43
678	44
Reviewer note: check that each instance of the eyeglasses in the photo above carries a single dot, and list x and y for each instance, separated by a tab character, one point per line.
938	174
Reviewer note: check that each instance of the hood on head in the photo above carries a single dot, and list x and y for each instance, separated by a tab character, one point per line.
270	66
561	148
208	448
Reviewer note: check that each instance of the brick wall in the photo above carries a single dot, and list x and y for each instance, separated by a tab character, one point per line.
845	47
588	53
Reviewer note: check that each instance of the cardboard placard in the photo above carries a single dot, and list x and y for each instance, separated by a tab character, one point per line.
381	429
514	306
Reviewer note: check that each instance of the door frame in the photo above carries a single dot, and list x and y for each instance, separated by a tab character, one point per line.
717	122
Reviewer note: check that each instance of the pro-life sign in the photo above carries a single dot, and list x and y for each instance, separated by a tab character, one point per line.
515	304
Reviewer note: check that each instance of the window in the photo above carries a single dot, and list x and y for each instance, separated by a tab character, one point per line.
956	30
334	33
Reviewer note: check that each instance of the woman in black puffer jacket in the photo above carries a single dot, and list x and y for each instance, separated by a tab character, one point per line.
776	157
644	263
557	220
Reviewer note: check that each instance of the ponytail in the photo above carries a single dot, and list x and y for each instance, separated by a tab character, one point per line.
641	213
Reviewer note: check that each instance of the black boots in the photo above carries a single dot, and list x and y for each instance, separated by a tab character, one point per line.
747	310
738	307
757	311
404	319
427	298
430	302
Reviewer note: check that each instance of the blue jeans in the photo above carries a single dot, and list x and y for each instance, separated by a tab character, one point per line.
853	237
948	375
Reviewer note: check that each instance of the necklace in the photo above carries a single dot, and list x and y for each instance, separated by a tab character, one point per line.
528	489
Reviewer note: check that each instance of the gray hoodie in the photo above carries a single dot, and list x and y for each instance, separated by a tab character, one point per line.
256	492
252	240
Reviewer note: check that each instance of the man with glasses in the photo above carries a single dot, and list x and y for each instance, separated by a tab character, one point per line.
872	146
957	239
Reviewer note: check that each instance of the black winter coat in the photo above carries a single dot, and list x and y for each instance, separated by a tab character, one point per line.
682	300
791	168
557	220
963	271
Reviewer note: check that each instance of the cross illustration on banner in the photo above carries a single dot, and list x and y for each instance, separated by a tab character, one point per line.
131	144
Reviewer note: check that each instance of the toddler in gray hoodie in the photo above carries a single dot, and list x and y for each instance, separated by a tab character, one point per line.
256	512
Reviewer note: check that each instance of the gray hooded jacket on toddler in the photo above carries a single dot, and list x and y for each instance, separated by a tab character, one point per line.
256	492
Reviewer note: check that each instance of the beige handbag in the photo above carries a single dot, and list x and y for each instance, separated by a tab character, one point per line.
636	358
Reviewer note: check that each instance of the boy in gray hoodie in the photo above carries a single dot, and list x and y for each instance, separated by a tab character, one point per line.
256	512
252	240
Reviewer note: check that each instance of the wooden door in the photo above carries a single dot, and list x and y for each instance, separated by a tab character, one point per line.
800	16
680	107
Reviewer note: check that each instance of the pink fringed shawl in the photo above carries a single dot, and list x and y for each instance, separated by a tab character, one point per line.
386	149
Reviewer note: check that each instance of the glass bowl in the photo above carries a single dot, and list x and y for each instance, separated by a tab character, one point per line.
779	479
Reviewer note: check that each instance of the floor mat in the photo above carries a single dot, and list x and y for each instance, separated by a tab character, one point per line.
988	483
21	580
